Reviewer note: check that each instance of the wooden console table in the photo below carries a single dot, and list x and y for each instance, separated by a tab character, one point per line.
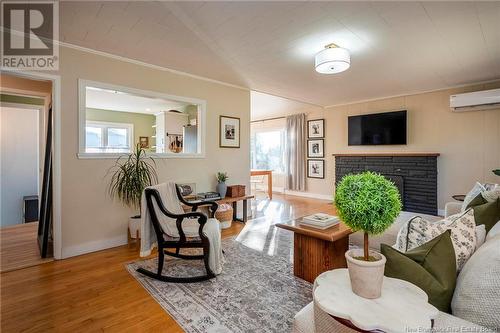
234	203
269	174
316	251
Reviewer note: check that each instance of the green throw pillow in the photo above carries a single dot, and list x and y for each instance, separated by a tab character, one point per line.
487	213
430	266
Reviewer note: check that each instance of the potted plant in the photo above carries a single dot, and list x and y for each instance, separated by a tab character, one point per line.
367	202
221	183
130	176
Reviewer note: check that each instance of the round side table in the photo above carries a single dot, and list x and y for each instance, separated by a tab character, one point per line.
459	197
403	307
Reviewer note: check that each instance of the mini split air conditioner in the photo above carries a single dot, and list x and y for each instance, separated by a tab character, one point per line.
475	101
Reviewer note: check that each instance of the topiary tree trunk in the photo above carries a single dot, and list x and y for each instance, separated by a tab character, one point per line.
365	246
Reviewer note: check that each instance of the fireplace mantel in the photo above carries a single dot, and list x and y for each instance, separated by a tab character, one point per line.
387	154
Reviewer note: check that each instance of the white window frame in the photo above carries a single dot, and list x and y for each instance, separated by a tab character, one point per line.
82	119
105	125
282	143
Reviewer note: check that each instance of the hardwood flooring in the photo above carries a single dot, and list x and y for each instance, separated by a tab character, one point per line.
95	293
19	247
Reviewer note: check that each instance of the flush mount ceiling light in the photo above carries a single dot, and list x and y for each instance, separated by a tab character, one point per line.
332	60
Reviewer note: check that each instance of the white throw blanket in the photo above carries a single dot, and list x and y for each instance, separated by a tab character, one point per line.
190	227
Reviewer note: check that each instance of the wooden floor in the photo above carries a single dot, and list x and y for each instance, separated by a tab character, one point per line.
94	292
19	247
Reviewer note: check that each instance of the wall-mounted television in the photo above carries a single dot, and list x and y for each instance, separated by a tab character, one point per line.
388	128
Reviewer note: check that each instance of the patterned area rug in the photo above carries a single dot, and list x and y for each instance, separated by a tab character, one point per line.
256	292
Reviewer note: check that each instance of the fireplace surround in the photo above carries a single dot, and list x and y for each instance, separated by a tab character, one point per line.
414	174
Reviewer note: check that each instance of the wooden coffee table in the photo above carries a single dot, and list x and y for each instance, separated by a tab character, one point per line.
316	251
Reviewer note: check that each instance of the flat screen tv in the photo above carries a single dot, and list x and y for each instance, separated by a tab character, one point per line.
388	128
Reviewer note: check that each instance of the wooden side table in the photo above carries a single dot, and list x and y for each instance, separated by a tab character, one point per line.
403	307
316	251
269	174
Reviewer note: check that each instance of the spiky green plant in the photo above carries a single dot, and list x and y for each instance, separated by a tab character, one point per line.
130	176
221	177
368	202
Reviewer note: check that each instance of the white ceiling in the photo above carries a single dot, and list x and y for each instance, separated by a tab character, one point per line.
265	106
396	47
120	101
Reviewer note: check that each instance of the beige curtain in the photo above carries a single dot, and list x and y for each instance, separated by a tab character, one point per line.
295	163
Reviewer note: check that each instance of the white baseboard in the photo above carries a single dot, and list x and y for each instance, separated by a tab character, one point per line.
93	246
278	189
310	195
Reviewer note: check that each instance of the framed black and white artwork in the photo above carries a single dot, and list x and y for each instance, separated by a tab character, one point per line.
316	169
316	128
316	148
229	128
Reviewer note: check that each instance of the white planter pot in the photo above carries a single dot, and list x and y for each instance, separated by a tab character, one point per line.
366	276
226	224
134	226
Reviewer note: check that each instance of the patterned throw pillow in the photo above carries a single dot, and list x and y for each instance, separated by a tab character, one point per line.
491	195
478	188
418	231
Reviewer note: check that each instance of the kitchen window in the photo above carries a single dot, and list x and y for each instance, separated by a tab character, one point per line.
105	137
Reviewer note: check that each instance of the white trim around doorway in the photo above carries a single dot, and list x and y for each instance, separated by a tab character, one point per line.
56	171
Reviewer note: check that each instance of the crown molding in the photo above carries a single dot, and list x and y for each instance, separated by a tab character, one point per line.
413	93
145	64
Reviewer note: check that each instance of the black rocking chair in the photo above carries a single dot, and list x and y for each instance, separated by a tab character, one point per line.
167	242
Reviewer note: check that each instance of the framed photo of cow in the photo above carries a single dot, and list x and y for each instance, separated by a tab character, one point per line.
229	131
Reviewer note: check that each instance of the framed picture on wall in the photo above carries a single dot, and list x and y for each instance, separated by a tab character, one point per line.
316	148
144	141
229	132
316	128
316	169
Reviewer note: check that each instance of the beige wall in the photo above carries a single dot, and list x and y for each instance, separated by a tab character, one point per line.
469	142
90	219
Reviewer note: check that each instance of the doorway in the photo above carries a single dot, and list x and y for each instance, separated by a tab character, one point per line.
23	126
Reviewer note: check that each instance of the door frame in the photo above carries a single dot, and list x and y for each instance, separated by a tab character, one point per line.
56	142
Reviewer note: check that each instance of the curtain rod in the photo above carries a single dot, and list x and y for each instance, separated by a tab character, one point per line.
275	118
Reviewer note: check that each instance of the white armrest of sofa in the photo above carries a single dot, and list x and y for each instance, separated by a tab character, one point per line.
452	208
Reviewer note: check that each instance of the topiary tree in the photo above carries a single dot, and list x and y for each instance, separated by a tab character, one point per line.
369	202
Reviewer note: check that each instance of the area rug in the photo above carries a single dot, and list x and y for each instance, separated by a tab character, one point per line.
257	292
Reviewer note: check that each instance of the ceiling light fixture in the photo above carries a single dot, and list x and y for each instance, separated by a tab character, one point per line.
333	59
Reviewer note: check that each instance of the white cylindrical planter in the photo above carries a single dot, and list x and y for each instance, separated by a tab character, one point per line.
366	276
134	224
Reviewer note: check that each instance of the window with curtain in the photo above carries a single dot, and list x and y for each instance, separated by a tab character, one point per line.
267	150
104	137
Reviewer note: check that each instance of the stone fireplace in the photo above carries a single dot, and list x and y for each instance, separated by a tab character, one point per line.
414	174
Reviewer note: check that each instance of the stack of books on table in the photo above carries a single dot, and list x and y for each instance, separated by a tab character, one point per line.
320	220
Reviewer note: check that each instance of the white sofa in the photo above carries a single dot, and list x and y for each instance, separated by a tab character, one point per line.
476	298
